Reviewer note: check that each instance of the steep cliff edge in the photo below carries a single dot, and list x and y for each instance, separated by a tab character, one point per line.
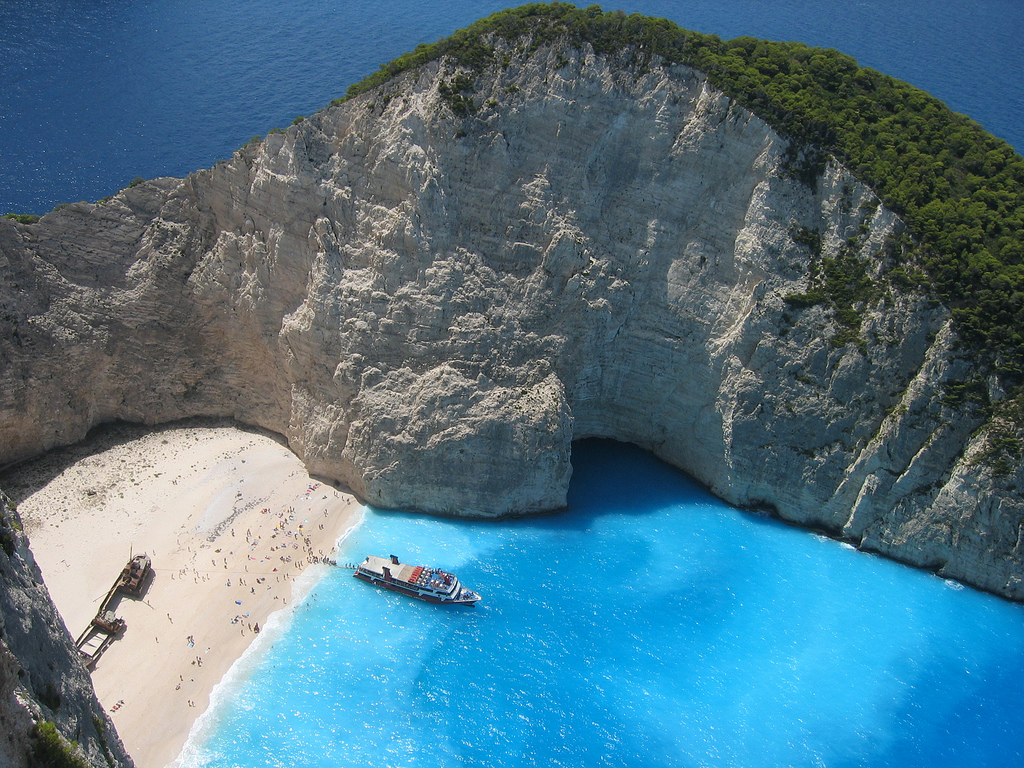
431	294
49	714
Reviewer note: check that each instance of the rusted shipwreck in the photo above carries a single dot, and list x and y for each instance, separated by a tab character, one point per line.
106	626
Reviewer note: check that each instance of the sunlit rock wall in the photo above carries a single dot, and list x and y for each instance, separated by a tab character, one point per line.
432	307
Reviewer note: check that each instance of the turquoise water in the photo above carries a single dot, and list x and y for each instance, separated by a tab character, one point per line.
649	625
97	93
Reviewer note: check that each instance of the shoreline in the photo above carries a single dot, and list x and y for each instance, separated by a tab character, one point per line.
278	623
231	521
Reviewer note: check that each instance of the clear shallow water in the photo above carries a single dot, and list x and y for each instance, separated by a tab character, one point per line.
650	625
95	94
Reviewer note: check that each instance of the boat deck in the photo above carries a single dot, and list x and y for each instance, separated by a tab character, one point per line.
402	572
430	584
106	626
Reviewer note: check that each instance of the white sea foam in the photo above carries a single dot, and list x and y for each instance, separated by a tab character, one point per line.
357	521
236	677
276	626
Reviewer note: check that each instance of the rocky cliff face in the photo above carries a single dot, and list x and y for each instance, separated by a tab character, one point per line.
41	679
431	307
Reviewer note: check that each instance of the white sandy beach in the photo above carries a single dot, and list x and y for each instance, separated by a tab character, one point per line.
229	517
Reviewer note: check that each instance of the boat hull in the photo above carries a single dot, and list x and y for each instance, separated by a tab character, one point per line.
403	589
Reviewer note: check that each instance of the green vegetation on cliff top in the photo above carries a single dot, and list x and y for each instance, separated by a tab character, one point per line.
960	189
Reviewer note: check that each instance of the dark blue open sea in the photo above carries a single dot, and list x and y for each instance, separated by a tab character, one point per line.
650	625
94	93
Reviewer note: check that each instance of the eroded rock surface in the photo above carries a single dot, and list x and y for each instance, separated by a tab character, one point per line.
41	679
432	307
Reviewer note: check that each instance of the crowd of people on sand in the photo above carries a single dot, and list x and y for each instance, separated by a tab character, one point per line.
290	550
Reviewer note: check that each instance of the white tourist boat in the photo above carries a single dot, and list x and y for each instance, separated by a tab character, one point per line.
430	584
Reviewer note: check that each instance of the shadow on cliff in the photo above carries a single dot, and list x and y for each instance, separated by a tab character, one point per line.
19	481
609	478
612	477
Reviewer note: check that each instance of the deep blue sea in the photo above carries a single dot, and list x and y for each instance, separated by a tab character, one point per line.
94	93
651	625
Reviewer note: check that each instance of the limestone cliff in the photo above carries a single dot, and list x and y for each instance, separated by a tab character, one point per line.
431	302
41	679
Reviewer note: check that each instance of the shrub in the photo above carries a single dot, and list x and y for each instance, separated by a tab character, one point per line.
50	750
22	218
